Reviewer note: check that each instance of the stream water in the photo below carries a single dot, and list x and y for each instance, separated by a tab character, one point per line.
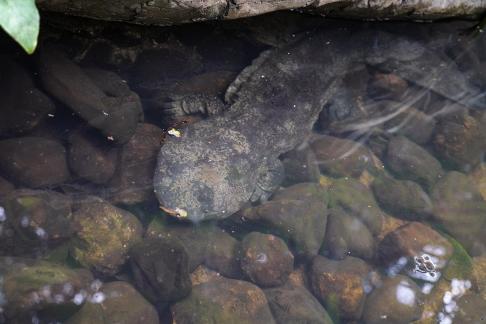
278	169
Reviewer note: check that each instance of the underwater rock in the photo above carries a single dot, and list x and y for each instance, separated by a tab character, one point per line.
90	157
5	187
479	272
178	12
416	240
160	269
300	165
294	304
33	220
409	161
34	161
460	208
266	260
23	106
398	300
347	235
116	302
115	116
223	301
203	274
358	201
402	198
29	285
133	180
341	157
387	84
297	213
204	244
104	236
471	308
413	124
339	285
460	139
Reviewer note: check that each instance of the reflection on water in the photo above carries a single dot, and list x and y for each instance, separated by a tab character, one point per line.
232	173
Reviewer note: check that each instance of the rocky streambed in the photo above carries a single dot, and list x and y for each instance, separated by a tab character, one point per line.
375	214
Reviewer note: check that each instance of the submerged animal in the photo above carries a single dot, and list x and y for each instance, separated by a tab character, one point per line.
220	163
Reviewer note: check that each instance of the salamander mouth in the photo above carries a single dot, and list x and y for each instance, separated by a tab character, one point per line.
177	212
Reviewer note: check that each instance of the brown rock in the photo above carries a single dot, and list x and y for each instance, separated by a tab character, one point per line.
340	284
266	260
341	157
5	187
104	235
224	301
412	241
133	179
34	161
398	300
116	302
91	157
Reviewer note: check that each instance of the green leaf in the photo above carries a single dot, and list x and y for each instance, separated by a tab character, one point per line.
20	19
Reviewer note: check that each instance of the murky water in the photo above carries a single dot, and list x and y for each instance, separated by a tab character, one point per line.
280	169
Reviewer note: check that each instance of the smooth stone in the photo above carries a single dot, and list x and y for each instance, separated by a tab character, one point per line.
341	157
204	244
104	236
34	220
460	139
294	304
265	259
224	301
161	270
460	208
115	116
132	182
402	198
30	285
397	301
116	302
358	201
347	235
409	161
297	213
91	158
34	161
339	285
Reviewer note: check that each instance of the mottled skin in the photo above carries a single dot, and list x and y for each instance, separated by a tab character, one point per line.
218	164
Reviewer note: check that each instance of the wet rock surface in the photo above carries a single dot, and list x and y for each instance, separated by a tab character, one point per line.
115	116
298	213
347	235
34	161
103	236
340	157
223	301
411	162
33	220
459	207
133	179
425	250
397	300
293	304
358	201
266	260
402	198
339	285
31	285
116	302
91	157
161	270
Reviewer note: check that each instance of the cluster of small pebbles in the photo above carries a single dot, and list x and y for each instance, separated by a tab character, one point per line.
381	224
